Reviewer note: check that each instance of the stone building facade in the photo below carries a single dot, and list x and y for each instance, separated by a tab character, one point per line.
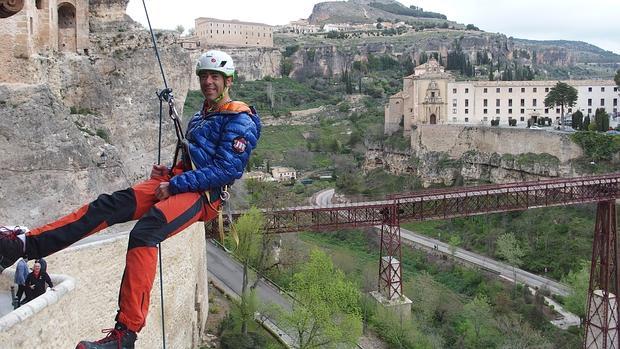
46	25
432	96
218	32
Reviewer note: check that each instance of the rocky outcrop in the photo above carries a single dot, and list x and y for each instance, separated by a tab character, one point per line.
83	107
109	14
449	154
333	57
359	11
50	162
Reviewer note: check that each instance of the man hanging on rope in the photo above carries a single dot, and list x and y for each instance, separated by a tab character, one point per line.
217	145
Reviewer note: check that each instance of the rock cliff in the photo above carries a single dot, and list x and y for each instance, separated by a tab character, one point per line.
82	106
445	154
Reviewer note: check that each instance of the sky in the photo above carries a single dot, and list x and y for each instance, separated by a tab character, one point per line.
596	21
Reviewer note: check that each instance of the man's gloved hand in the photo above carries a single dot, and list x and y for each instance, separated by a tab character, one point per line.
159	171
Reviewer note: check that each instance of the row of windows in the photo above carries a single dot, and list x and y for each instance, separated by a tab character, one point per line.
534	89
235	33
499	90
522	111
485	102
603	89
522	119
241	26
615	102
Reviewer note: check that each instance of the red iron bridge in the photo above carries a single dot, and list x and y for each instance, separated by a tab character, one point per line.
602	316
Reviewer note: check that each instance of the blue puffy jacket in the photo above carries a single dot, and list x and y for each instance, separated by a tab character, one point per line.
219	146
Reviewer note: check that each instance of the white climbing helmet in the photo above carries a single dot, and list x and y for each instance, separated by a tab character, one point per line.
217	61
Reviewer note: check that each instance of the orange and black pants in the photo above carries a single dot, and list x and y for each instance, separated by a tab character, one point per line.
157	220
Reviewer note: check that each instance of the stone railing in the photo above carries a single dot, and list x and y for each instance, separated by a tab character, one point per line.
63	284
85	301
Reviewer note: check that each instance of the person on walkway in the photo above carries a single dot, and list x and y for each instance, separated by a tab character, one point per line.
217	146
21	273
43	263
35	283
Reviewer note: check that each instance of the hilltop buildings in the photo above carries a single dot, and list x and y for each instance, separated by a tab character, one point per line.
432	96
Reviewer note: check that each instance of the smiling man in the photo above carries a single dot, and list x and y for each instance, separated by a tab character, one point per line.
218	143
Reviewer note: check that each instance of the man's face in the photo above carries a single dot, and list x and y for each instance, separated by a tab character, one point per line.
37	267
212	84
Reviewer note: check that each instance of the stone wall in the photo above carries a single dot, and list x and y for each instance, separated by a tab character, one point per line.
91	306
449	154
37	32
456	140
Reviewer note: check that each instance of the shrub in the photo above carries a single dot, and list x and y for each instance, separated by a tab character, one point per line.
597	146
344	107
103	134
233	340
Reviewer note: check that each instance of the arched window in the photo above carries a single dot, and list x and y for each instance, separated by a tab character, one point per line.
67	33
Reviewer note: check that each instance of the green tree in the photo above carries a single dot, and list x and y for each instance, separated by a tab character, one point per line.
586	123
562	95
518	333
453	244
601	119
617	77
179	29
286	67
328	313
578	281
252	249
508	248
477	325
577	120
471	27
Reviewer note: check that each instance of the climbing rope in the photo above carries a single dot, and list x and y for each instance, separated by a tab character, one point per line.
160	96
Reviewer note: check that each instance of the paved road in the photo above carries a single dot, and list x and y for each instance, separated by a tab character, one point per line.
474	258
324	197
503	269
228	271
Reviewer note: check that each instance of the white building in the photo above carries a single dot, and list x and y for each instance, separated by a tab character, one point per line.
340	27
283	173
258	176
300	27
432	96
213	31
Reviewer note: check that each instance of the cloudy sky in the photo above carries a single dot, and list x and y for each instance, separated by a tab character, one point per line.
595	21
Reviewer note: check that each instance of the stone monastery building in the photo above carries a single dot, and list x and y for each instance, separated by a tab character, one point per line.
432	96
212	31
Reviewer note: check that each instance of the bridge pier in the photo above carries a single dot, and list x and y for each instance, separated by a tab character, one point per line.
389	292
602	315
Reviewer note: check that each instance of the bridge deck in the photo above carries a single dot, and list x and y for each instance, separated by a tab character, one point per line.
448	203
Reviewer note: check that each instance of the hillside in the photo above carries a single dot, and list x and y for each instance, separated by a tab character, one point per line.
368	11
432	32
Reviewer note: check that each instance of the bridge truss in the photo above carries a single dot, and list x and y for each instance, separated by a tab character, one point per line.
603	313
